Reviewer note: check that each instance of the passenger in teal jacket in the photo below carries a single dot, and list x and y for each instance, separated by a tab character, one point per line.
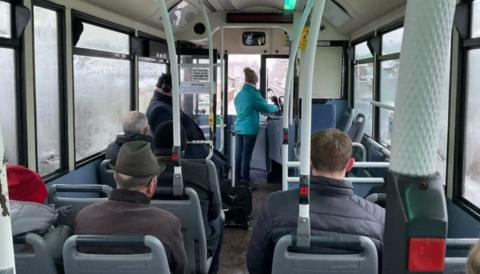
248	103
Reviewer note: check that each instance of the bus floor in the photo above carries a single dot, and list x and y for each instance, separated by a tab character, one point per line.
235	240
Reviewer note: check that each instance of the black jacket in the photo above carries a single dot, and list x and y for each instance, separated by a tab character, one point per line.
112	149
160	110
333	209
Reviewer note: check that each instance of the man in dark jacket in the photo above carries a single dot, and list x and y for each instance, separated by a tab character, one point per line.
128	211
135	128
334	209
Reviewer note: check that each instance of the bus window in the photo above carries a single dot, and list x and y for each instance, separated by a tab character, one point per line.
236	64
102	88
47	89
148	74
471	188
8	103
5	20
276	76
392	41
363	88
476	19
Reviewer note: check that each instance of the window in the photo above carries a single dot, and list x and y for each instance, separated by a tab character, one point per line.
8	103
148	74
471	179
392	41
276	77
5	20
363	87
476	19
98	38
362	51
47	89
102	85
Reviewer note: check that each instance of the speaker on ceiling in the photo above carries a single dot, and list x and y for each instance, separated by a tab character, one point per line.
199	28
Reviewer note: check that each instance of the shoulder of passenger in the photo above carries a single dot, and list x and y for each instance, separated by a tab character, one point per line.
370	208
277	199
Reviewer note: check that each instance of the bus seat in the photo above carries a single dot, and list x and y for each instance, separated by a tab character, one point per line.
73	204
105	174
357	128
187	209
456	265
330	254
34	260
346	121
377	198
76	262
323	117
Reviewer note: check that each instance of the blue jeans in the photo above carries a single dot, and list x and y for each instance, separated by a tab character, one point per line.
244	145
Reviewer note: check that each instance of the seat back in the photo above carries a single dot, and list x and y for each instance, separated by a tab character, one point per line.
188	211
76	262
357	128
34	260
105	174
347	119
332	254
456	265
323	117
74	204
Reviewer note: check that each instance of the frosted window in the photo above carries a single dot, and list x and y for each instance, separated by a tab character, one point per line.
148	74
5	20
102	99
363	89
236	77
47	90
276	77
388	81
98	38
476	19
392	41
386	126
8	104
471	188
362	51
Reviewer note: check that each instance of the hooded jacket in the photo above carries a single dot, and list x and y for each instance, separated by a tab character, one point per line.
334	209
249	103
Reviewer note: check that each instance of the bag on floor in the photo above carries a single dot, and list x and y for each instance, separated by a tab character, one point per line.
238	205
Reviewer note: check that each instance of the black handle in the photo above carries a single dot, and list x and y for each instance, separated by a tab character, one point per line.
81	188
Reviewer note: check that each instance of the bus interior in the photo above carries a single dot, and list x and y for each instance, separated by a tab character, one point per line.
70	70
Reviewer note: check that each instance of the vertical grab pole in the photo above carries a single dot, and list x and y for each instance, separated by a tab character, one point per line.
416	217
222	92
210	67
308	62
177	176
296	35
7	262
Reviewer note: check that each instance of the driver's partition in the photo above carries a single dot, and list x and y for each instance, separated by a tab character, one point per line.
326	254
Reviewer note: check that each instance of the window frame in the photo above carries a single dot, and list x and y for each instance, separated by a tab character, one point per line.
465	45
62	92
92	20
16	44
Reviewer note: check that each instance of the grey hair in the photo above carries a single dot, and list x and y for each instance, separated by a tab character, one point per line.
134	122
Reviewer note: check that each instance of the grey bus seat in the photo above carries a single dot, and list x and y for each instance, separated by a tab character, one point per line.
456	264
357	128
76	262
75	204
346	121
377	198
330	254
105	174
187	209
32	255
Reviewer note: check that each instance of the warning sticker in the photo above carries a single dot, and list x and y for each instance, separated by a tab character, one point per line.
200	74
194	87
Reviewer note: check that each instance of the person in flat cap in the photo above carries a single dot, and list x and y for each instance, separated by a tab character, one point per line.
128	211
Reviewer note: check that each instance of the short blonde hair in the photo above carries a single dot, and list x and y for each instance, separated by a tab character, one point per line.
250	75
473	262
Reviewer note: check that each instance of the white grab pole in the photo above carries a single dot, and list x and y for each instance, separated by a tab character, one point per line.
177	176
232	156
295	41
308	62
210	65
7	262
222	92
422	86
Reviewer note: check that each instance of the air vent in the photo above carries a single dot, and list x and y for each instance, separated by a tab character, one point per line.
336	14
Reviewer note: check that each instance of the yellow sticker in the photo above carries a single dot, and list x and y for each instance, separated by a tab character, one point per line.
304	38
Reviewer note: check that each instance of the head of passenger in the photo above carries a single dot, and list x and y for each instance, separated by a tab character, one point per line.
136	168
331	154
135	123
25	185
164	84
250	76
163	139
473	262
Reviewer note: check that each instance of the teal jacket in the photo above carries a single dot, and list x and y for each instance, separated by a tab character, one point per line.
249	103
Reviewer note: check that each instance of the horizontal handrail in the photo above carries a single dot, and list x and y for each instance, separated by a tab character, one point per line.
366	180
382	105
371	164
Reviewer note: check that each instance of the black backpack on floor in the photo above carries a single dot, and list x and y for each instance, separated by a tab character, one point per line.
237	204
